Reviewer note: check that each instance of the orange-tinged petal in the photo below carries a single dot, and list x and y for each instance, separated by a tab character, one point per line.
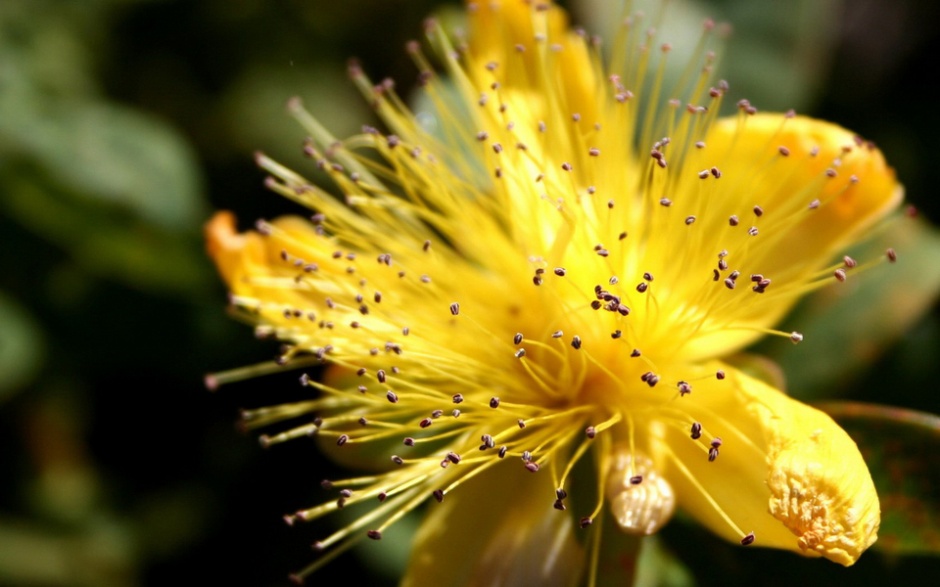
784	471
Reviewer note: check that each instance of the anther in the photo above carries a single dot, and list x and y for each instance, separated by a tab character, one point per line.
520	423
642	287
729	283
453	457
784	151
712	454
665	202
684	388
594	152
636	479
722	265
381	496
616	334
558	334
437	414
585	522
425	422
457	398
566	166
494	402
590	432
576	342
849	262
796	337
326	484
520	353
502	451
560	493
719	374
380	374
635	353
392	396
517	338
532	466
560	271
752	231
438	495
733	220
558	505
891	255
696	430
839	274
814	204
747	540
689	220
363	421
455	308
758	211
408	441
397	460
374	534
343	439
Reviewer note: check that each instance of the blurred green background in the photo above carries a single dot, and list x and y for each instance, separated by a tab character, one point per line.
124	123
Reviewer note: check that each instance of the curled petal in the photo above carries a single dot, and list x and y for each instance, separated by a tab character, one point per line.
783	470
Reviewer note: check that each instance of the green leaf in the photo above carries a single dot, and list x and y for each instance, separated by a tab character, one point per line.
860	318
21	349
902	450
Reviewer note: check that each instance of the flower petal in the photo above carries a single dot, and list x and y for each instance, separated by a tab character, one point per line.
498	528
784	469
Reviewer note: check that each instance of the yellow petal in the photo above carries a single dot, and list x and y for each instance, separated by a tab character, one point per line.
497	529
784	471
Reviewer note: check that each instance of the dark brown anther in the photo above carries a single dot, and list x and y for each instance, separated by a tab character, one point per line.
729	283
343	439
341	502
455	308
622	236
457	398
560	493
596	305
590	432
374	534
585	522
363	421
520	423
517	338
719	374
712	454
537	280
453	457
703	174
532	467
558	505
748	540
689	220
482	135
576	342
839	274
696	430
526	456
635	353
753	231
715	275
425	422
665	202
398	460
603	252
891	255
722	265
758	211
684	388
735	275
520	353
437	414
381	496
566	166
391	396
645	377
392	141
716	173
594	152
438	495
616	334
408	441
652	381
560	271
636	479
784	151
502	451
455	413
733	220
380	374
849	262
622	310
642	287
558	334
494	402
345	493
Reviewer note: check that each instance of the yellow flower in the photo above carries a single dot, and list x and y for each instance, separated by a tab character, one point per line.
532	289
